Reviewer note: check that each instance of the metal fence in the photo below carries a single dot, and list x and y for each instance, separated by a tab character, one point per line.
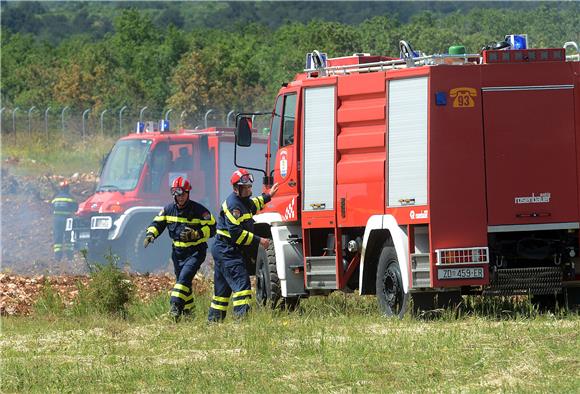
80	123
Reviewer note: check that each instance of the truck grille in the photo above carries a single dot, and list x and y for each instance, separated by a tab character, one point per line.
82	223
522	281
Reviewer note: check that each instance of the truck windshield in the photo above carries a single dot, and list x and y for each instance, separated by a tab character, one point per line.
123	166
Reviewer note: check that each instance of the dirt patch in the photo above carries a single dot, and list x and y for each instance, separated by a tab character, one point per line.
18	294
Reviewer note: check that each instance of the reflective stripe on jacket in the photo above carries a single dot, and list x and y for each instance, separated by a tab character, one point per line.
193	215
236	221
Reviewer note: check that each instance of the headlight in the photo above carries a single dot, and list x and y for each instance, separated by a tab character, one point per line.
101	222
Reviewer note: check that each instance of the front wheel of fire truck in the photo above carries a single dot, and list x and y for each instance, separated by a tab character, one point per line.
143	260
389	287
268	291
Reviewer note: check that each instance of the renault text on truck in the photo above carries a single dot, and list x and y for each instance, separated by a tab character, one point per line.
425	177
134	185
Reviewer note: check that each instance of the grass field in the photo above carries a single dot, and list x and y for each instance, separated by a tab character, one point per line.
37	155
333	344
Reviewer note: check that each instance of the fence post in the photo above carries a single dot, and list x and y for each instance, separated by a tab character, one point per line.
181	118
228	118
102	114
121	120
46	123
14	120
62	118
85	113
205	117
29	120
141	113
1	110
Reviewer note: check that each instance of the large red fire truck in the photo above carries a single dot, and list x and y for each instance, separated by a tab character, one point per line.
425	177
134	185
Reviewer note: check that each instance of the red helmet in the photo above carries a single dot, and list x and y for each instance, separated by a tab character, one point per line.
180	186
241	177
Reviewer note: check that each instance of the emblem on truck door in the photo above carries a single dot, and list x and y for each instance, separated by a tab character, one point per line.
283	164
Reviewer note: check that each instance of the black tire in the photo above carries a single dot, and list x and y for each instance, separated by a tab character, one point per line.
143	260
268	290
389	286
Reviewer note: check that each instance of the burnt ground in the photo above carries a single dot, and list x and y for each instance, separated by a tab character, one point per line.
26	241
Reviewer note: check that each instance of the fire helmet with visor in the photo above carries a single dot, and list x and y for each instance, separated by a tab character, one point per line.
179	186
242	177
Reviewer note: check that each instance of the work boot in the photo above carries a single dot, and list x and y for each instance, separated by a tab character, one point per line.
187	314
175	312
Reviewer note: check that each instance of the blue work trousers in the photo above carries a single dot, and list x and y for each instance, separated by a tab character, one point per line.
186	263
231	280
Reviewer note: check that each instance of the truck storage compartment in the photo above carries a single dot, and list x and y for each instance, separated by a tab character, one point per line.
530	152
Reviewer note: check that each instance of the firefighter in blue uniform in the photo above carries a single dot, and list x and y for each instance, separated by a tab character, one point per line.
190	225
64	206
234	239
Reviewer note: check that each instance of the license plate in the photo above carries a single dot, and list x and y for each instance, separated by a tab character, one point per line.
84	235
460	273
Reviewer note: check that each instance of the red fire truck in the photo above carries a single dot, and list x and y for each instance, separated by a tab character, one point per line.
425	177
134	186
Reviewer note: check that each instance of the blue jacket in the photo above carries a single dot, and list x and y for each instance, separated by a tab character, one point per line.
235	219
193	215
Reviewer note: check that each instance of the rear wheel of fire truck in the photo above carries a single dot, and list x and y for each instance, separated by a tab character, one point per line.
143	260
268	291
389	287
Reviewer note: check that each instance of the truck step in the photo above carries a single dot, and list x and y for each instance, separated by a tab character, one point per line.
321	273
420	270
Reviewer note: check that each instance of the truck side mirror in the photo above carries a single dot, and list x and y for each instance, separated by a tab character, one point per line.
244	132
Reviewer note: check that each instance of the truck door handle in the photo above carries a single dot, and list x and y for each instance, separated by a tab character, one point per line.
291	183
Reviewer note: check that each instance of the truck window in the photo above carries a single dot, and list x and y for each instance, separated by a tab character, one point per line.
160	164
289	117
275	131
123	166
183	157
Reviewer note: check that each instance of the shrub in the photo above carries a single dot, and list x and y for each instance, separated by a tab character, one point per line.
109	290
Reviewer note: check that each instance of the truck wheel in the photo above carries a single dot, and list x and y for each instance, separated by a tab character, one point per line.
268	291
143	260
389	285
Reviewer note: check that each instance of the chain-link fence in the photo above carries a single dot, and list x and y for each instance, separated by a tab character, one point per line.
76	124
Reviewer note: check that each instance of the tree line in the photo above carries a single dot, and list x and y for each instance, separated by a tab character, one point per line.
235	64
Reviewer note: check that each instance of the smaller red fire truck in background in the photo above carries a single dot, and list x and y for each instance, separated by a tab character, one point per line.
134	185
425	177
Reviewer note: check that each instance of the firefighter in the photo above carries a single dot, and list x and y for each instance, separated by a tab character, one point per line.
234	240
64	206
190	225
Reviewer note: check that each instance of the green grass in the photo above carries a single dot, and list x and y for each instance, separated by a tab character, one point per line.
333	344
37	156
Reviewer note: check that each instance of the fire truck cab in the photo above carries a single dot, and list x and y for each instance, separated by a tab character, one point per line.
134	186
425	177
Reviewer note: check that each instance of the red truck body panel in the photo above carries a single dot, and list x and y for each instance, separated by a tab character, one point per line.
503	149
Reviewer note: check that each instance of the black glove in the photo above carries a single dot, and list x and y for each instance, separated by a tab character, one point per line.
148	239
189	234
